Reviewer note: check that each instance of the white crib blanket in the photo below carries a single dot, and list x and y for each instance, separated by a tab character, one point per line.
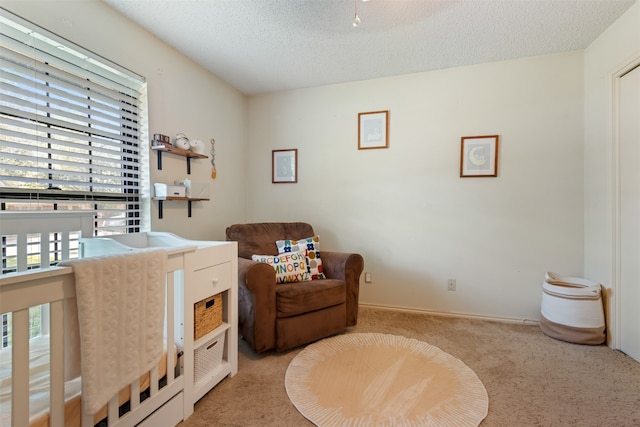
121	315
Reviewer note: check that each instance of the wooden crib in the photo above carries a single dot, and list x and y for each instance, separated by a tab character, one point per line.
31	242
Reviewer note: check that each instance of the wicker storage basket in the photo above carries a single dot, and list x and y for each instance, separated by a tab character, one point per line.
208	357
207	315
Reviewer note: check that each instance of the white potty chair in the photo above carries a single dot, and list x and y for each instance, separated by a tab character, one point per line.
572	310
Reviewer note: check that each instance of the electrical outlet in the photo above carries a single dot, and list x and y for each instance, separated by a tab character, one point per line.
367	277
451	284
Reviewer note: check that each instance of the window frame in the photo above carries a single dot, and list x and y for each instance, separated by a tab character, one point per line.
132	198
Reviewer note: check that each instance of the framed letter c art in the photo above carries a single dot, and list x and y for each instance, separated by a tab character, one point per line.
479	156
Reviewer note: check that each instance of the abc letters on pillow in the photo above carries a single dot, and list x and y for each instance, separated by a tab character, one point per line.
312	247
289	267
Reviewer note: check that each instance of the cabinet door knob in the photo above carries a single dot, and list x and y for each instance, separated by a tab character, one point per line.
215	281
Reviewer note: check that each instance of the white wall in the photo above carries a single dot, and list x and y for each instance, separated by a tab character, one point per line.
406	210
183	97
615	49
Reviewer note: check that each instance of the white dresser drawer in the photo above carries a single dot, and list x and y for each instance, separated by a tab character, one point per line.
214	254
209	281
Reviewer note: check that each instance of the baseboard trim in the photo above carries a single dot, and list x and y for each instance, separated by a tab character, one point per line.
528	322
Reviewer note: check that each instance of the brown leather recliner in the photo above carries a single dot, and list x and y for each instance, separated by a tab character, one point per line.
287	315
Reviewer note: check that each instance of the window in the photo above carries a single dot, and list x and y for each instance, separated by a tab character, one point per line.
71	130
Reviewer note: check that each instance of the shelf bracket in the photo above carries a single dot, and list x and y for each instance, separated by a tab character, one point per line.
189	202
160	162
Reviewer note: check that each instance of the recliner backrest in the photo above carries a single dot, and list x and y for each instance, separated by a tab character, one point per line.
260	238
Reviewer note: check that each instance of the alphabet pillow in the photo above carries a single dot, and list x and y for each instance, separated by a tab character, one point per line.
312	247
289	267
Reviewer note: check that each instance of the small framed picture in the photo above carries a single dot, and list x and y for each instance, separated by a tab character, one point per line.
479	156
373	130
284	166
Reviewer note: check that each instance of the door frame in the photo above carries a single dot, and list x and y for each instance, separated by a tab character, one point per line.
615	303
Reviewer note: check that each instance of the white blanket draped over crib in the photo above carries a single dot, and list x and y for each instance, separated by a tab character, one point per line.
120	300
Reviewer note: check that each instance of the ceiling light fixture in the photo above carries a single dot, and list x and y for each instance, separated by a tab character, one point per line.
356	17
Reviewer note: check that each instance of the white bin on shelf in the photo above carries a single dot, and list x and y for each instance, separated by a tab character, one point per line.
572	310
208	357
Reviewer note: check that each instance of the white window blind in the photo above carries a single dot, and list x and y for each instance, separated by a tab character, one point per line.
71	126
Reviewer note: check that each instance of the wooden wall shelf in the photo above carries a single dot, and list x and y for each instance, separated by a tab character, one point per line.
178	152
183	153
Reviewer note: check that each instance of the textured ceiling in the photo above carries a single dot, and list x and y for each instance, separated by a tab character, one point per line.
263	46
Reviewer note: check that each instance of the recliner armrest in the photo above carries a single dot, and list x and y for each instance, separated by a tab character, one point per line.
257	301
347	267
337	265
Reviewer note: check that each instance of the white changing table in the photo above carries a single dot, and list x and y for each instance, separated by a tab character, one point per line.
209	268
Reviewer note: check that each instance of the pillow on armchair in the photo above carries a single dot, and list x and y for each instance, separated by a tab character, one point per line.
289	267
312	247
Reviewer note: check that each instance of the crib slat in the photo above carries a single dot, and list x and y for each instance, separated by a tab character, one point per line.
134	393
153	381
65	245
113	410
87	420
20	369
170	324
21	251
57	360
44	249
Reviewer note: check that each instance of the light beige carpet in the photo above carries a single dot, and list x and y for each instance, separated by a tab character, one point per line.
532	380
384	380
